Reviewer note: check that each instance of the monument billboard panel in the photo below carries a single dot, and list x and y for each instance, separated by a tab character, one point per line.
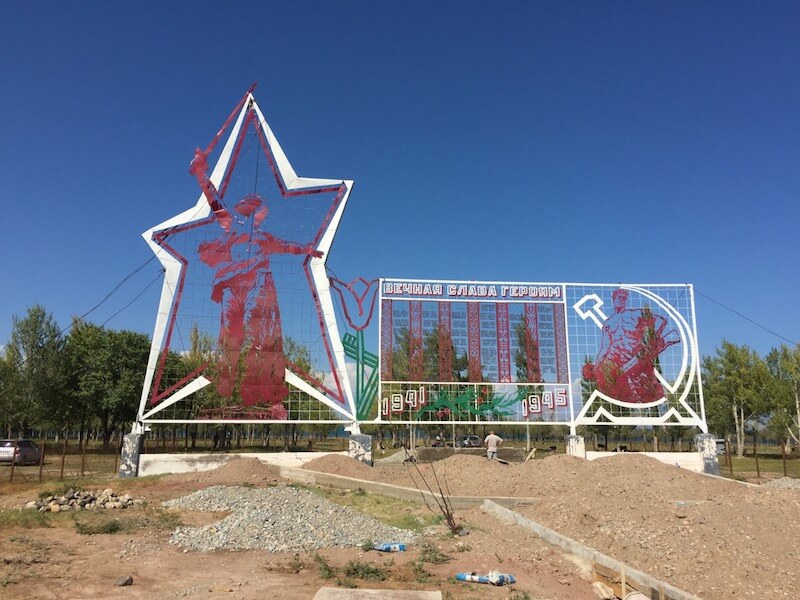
549	353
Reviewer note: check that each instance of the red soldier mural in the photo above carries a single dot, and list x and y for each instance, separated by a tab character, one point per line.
625	365
244	285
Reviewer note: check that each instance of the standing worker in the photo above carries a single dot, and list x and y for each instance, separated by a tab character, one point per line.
491	442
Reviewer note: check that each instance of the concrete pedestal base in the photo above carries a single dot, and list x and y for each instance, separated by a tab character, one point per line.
129	460
706	445
361	448
576	446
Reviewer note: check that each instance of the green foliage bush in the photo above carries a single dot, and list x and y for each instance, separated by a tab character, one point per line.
365	570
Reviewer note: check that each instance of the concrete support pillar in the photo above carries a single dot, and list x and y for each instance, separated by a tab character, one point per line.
129	460
361	448
576	446
706	445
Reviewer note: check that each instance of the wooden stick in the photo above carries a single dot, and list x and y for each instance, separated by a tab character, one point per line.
755	452
64	455
41	460
83	457
783	456
730	458
14	459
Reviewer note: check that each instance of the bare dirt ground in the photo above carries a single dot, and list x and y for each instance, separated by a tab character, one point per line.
47	558
713	537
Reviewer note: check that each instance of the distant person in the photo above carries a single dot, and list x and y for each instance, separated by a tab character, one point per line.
492	442
215	440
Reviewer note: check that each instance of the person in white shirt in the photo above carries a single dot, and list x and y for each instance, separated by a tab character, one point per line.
492	442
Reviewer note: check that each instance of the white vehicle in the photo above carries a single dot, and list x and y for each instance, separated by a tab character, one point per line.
469	441
27	452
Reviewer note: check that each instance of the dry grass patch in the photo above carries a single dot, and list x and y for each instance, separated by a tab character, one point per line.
391	511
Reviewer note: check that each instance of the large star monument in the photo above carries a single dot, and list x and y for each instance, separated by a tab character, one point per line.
245	330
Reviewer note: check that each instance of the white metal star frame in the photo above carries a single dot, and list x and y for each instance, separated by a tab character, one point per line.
335	393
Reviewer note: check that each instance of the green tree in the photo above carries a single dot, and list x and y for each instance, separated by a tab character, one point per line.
302	405
735	384
7	386
526	345
108	368
37	382
784	368
400	352
76	410
430	357
201	354
676	434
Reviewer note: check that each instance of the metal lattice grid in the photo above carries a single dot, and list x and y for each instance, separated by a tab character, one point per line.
245	328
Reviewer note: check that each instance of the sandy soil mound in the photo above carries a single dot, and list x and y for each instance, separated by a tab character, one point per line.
337	464
237	471
467	475
711	536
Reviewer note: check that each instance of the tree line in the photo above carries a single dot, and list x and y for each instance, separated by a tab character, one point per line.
90	379
748	392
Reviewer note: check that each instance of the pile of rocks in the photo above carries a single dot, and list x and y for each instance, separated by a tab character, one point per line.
277	519
83	500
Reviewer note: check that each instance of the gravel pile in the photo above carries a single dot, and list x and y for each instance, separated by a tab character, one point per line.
784	483
276	519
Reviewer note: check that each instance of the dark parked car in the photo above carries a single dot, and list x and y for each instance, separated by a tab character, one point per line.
27	452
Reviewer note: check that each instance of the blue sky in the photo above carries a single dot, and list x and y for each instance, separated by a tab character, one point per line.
520	141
